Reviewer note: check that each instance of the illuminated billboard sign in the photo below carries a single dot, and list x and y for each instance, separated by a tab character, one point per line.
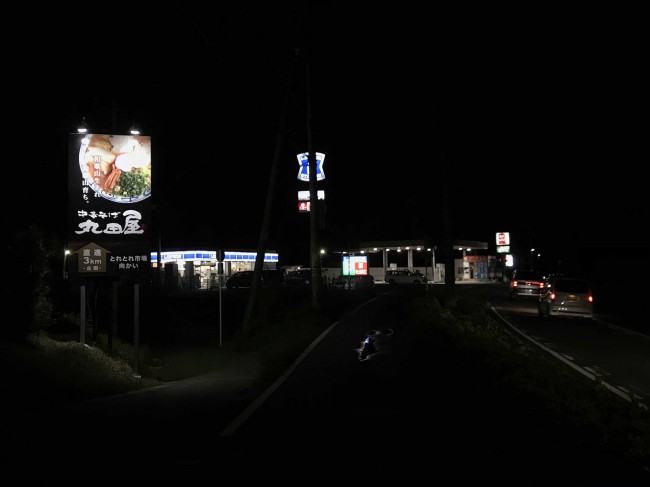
355	265
109	200
304	195
303	200
303	162
503	238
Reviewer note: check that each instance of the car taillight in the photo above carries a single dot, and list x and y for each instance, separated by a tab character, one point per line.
515	283
590	298
552	295
540	285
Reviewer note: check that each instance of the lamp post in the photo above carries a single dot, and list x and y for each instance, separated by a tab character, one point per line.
531	258
433	264
320	254
66	252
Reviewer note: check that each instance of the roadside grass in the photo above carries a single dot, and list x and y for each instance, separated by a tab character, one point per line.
51	368
43	373
582	411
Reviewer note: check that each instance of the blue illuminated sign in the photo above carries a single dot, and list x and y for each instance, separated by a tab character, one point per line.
303	162
229	255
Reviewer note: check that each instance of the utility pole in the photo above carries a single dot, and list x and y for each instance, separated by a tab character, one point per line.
450	264
314	256
261	243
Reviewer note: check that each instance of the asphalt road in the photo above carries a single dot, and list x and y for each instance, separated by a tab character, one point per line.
613	349
411	413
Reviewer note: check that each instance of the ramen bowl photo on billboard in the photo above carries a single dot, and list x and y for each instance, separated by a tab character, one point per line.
117	167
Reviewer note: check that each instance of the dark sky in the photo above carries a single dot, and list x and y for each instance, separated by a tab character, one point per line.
539	116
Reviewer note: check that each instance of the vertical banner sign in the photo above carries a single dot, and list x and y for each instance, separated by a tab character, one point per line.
303	162
503	242
303	200
109	204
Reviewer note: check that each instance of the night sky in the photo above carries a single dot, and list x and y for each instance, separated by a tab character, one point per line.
538	115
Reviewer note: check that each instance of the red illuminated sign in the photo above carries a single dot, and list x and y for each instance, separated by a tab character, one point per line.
503	238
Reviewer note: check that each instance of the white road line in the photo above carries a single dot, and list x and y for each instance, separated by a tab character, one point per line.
234	425
560	357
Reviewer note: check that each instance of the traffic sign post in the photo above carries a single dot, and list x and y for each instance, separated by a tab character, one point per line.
220	277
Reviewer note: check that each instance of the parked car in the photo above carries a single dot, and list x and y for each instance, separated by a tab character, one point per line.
405	276
240	279
527	283
271	277
299	277
566	296
354	283
245	278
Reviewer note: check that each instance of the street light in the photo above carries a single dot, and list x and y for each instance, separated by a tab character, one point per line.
320	254
66	252
433	264
83	127
531	258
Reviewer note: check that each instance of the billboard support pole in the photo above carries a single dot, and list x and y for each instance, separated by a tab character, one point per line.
136	329
82	313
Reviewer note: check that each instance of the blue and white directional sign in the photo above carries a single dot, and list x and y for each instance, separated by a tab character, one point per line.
303	162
